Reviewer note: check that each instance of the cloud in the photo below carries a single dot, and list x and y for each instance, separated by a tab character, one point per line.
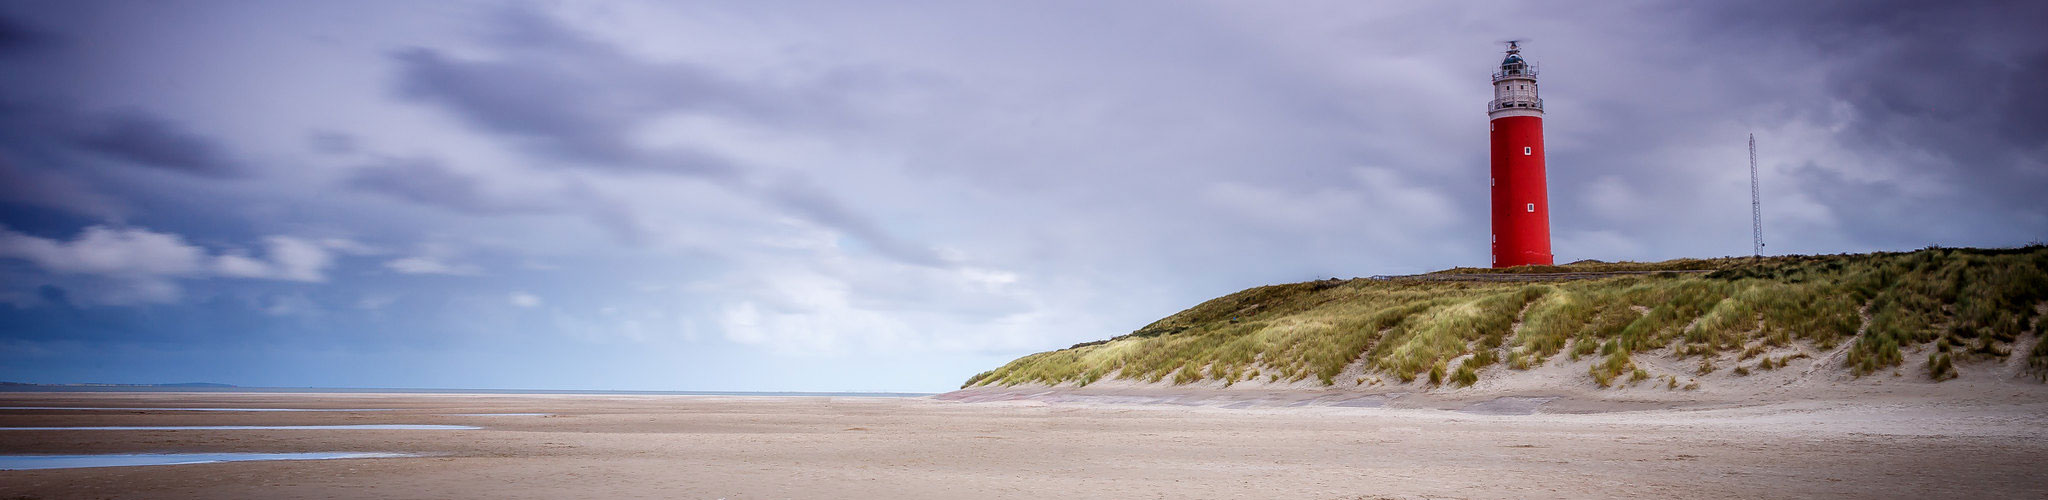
523	299
333	143
557	91
1371	191
1611	197
431	182
290	259
567	95
134	290
137	265
16	36
350	247
849	303
106	250
138	253
54	295
1598	245
148	140
1975	71
816	205
289	305
433	259
55	189
430	265
375	302
1866	112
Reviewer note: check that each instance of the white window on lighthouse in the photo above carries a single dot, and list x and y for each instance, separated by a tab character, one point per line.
1526	151
1532	208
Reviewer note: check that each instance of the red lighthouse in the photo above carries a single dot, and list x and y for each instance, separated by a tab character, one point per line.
1521	209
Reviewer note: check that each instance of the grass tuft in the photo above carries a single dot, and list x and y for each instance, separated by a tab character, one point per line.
1465	376
1614	364
2037	359
1940	366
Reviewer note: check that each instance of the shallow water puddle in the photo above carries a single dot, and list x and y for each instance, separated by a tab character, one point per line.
34	462
82	408
500	414
1373	401
422	427
1510	405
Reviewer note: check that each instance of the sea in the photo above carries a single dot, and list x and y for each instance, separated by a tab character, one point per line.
389	390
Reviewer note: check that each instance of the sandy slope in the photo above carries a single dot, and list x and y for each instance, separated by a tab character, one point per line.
1885	440
1807	374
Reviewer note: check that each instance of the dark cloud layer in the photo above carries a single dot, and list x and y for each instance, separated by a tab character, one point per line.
580	100
571	96
430	182
1959	78
152	141
1949	91
818	205
16	36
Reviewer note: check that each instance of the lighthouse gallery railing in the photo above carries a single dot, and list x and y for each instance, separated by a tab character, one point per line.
1516	103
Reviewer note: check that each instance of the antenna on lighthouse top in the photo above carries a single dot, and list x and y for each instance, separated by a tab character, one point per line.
1514	44
1756	211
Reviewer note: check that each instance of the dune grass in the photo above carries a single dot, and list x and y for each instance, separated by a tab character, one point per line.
1590	266
1971	304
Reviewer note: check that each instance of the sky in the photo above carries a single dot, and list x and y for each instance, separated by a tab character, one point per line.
894	196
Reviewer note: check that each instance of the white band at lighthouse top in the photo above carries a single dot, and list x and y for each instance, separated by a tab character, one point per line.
1504	113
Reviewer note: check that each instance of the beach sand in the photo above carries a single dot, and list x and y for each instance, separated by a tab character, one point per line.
1130	442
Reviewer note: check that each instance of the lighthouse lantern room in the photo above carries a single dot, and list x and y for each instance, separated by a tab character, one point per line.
1521	207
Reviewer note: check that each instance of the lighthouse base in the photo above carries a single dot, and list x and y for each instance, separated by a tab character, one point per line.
1522	259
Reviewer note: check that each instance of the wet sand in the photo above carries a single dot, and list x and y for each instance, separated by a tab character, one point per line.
1046	444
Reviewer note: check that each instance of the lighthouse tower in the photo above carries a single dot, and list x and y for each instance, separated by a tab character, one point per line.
1521	209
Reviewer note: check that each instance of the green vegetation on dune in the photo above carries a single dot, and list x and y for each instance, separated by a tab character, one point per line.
1594	266
1969	304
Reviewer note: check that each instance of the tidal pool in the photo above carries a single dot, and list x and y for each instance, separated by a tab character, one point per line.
34	462
420	427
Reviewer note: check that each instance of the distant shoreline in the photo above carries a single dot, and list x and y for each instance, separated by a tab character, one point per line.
19	387
181	384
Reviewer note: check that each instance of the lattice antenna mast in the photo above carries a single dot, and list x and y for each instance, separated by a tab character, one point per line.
1756	204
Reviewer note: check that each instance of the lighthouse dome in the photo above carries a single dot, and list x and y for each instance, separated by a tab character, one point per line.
1514	67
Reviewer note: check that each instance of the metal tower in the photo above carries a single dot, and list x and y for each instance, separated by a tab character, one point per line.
1756	204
